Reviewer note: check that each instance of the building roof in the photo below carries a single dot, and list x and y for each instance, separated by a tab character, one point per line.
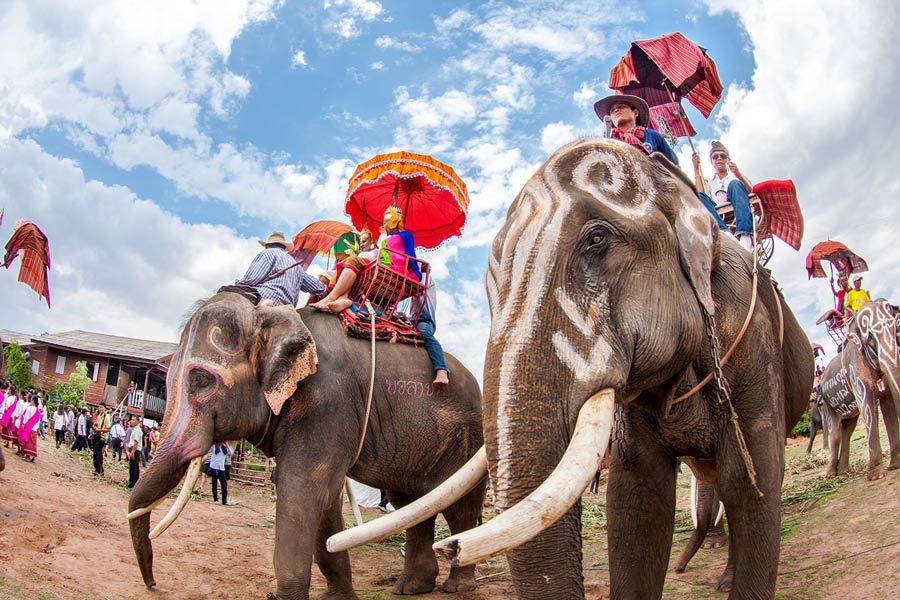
108	345
22	339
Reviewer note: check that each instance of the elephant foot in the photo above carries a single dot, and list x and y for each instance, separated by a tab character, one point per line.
894	464
726	580
457	582
875	473
715	540
410	584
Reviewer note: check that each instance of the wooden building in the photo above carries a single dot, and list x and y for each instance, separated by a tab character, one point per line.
123	371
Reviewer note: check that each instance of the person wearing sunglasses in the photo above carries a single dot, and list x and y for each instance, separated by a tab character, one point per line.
728	185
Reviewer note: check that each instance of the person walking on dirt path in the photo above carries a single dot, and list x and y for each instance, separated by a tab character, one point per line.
218	453
117	440
70	425
98	443
135	441
81	431
59	424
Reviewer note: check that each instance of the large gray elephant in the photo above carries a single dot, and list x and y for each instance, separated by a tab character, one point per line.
862	377
603	284
293	384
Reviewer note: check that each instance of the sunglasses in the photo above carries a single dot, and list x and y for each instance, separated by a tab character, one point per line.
719	155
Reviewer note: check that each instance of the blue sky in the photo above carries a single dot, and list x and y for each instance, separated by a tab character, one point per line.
155	142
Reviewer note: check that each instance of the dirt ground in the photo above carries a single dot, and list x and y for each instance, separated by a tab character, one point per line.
63	534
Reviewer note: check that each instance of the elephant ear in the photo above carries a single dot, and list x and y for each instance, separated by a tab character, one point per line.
285	354
695	230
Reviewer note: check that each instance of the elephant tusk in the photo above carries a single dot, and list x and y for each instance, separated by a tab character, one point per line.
455	487
551	500
140	512
193	473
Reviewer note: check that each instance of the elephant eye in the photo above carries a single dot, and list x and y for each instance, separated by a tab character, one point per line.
201	381
597	239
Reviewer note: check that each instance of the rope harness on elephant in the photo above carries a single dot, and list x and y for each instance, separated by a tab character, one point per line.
362	438
722	393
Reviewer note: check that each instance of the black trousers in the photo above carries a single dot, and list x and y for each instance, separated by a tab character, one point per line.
134	470
219	476
98	459
80	443
60	437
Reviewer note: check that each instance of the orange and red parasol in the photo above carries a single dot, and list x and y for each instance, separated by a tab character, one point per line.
432	197
838	255
317	239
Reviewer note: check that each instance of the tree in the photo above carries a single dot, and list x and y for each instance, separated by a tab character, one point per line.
72	391
17	368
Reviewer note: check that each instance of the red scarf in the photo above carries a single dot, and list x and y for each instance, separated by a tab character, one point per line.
633	137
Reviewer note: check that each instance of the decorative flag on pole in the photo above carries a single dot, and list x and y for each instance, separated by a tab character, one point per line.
30	243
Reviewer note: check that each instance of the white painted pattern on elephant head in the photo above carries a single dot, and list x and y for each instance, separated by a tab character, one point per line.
875	319
517	281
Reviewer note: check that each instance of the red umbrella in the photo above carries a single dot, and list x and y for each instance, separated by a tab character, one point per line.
664	70
317	239
838	255
818	349
432	197
29	242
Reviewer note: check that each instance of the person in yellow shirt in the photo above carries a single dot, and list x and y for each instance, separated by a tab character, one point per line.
857	296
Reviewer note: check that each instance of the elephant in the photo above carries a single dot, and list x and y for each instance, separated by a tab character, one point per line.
709	526
294	385
611	291
850	388
816	424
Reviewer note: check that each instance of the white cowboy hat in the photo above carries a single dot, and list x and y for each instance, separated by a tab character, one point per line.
276	237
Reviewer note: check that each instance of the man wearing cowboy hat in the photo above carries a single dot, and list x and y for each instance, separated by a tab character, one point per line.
630	116
857	296
286	287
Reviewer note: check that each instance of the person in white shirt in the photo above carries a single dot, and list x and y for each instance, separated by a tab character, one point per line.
217	455
29	423
59	424
729	186
70	424
81	431
133	447
117	440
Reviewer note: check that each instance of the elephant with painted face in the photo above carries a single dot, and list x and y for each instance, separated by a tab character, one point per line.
862	377
602	285
293	384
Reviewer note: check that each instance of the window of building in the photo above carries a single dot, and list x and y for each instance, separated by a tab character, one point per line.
93	369
60	364
112	372
35	367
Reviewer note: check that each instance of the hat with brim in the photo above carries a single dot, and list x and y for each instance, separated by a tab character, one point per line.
276	237
857	278
603	106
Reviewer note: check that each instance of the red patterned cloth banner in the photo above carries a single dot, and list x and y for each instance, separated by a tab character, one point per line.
779	200
29	242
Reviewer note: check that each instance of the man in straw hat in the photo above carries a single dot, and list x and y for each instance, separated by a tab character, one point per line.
286	287
630	117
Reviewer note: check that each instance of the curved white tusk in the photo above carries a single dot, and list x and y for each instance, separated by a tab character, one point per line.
140	512
455	487
193	473
551	500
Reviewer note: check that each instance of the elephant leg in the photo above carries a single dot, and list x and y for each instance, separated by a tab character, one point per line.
640	501
462	516
420	567
754	521
834	433
846	429
892	425
334	566
726	579
812	435
869	412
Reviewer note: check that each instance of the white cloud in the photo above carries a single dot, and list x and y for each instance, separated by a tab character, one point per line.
590	92
344	17
555	135
821	119
389	43
120	264
299	59
377	66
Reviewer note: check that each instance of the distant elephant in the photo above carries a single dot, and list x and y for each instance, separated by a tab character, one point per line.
850	388
610	281
295	386
816	424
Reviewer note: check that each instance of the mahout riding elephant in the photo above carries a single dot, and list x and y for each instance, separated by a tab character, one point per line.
609	284
293	384
862	377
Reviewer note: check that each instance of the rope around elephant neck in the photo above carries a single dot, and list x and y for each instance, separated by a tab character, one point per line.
362	438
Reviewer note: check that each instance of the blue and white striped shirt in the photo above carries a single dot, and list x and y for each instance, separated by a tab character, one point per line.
286	288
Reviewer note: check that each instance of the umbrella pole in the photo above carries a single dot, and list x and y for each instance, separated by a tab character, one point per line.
699	179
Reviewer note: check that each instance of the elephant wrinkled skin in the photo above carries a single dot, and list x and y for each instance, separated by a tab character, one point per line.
599	279
293	384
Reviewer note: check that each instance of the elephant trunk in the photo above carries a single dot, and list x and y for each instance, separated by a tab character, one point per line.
539	493
154	485
703	500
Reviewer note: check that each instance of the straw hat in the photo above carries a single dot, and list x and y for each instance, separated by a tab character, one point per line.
276	237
